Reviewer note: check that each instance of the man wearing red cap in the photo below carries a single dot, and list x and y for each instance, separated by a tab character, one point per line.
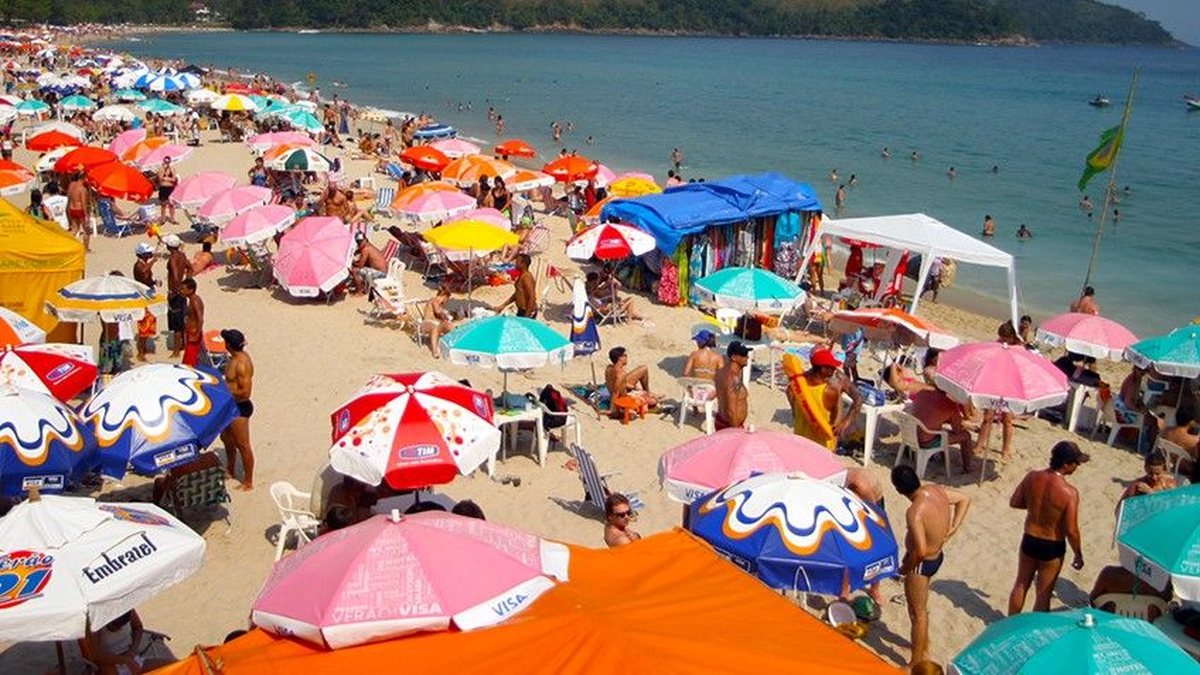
815	396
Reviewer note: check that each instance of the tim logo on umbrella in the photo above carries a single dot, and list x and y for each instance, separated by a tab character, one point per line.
23	576
60	372
417	453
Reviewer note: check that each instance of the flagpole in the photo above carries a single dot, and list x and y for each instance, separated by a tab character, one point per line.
1112	183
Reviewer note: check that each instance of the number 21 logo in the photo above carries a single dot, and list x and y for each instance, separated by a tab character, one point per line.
23	576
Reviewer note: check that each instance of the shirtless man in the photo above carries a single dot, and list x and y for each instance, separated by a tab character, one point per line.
622	381
334	203
239	377
524	292
618	512
817	392
935	410
934	516
733	399
1086	303
78	200
438	320
179	268
368	264
866	487
193	326
1051	522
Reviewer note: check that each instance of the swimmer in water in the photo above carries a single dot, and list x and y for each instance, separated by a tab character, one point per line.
952	173
1023	232
886	154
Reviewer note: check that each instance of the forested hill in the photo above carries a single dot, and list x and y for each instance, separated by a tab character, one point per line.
960	20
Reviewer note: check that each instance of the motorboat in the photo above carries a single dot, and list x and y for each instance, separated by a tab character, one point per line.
1192	102
1100	102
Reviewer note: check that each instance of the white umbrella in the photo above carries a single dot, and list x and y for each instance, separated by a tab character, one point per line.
202	96
46	162
78	563
113	113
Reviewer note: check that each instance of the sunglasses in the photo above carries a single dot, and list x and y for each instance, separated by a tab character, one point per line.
622	514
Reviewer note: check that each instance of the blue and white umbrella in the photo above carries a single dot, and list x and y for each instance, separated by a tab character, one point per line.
143	81
42	443
798	533
436	130
157	417
167	83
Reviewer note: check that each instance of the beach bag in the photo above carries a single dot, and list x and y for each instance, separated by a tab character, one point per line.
871	394
554	402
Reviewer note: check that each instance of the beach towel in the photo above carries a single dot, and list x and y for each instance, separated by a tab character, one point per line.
812	419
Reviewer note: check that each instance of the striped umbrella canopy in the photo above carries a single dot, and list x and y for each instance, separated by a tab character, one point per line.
77	102
129	95
300	159
161	107
234	103
167	84
17	330
42	442
894	326
749	288
108	298
120	181
610	241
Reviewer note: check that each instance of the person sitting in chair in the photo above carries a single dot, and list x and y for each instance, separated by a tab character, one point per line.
117	649
625	381
935	410
815	397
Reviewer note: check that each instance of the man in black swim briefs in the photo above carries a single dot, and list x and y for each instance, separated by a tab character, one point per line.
239	377
934	516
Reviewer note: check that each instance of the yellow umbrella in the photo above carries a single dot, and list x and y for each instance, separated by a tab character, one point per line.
632	186
474	237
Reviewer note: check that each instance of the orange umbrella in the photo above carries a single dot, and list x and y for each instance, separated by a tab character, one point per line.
120	181
14	182
412	192
86	157
524	181
9	165
623	611
143	147
469	169
425	157
594	212
50	140
515	147
571	168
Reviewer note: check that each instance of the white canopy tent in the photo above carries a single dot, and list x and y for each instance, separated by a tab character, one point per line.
919	233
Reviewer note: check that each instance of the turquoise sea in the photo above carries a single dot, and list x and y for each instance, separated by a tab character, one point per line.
805	107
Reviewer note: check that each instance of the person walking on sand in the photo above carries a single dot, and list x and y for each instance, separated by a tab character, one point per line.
524	290
1051	522
239	377
179	268
933	517
193	325
733	399
78	200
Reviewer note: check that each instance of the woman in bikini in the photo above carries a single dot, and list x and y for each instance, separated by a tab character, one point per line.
167	180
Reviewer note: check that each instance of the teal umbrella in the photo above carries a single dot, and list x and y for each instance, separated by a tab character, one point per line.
749	288
1158	538
1078	642
507	342
32	108
1175	354
77	102
129	95
273	107
160	107
299	118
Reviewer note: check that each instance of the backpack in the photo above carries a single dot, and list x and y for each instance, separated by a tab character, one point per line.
554	402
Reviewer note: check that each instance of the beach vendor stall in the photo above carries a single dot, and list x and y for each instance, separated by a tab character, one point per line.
764	221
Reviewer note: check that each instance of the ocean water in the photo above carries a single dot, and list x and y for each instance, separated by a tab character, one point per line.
805	107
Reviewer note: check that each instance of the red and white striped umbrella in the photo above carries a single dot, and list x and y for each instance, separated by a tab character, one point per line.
610	241
413	430
61	370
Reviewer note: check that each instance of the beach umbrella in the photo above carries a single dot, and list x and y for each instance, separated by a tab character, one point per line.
223	206
1176	354
991	375
628	187
514	147
708	463
114	113
302	120
798	533
80	563
7	114
593	212
610	241
260	142
201	96
466	239
893	326
42	442
166	84
47	161
144	78
455	147
469	169
17	330
50	140
436	130
487	215
84	157
61	370
234	103
390	576
314	256
300	159
120	181
129	95
65	127
126	140
155	158
13	167
189	79
1086	334
506	342
32	108
258	224
268	107
14	182
199	188
1158	539
77	102
108	298
413	430
156	417
571	168
748	288
425	157
428	202
161	107
1073	642
524	181
10	99
604	176
144	147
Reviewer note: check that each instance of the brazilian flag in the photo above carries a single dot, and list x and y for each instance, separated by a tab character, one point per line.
1103	156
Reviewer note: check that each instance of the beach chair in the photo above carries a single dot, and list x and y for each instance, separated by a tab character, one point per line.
383	201
1108	416
389	301
535	242
694	399
199	489
595	484
294	516
1172	452
568	420
153	646
434	259
394	171
113	226
1129	605
910	444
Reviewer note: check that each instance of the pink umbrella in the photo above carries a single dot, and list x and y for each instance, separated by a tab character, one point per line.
223	206
636	174
314	257
456	147
437	206
126	140
258	224
1087	334
263	141
199	188
488	215
387	577
995	375
604	176
708	463
154	158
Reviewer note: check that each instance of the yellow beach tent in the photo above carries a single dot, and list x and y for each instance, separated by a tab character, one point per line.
37	258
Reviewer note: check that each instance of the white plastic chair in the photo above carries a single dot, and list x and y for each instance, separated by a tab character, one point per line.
1131	606
294	515
1108	415
727	319
696	398
1172	452
910	444
570	421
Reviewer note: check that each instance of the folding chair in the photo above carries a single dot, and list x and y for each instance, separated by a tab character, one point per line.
393	171
110	223
535	242
383	201
694	399
294	516
595	484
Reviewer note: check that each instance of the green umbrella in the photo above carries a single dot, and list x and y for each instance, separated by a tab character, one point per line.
301	119
160	107
32	107
749	288
507	342
273	107
1175	354
1158	539
1078	642
300	159
77	102
129	95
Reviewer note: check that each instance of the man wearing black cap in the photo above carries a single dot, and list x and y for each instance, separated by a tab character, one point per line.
239	377
733	399
1051	522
